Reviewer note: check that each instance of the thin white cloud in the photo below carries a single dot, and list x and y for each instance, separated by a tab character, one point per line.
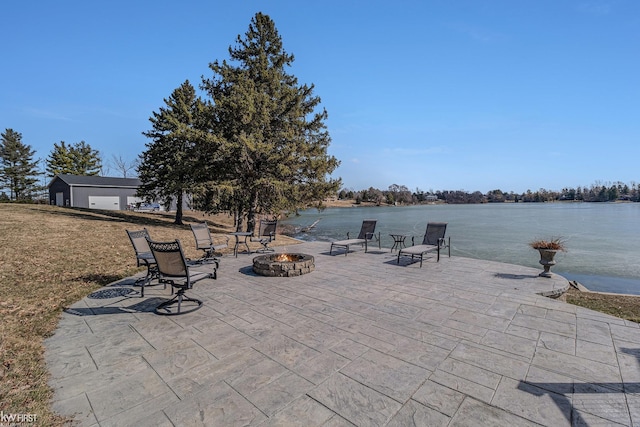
598	8
46	114
115	113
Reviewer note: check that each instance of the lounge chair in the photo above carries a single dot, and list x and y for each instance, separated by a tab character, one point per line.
174	270
266	234
205	242
433	241
366	235
144	257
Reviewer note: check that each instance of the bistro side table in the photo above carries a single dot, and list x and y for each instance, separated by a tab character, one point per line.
237	235
398	241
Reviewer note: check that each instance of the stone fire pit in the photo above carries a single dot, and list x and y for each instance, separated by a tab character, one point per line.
283	265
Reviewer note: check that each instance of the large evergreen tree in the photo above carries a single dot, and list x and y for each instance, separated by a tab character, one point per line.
59	160
76	159
18	170
86	159
268	152
166	167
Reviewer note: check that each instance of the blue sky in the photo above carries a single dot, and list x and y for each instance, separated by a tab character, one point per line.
439	94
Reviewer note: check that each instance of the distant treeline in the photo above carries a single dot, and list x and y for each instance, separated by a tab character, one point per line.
400	194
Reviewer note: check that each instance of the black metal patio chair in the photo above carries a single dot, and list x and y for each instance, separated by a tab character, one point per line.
266	234
174	270
206	243
144	257
433	240
367	234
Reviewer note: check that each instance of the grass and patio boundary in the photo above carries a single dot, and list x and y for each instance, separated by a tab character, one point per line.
52	257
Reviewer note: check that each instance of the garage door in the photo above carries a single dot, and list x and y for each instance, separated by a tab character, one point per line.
111	203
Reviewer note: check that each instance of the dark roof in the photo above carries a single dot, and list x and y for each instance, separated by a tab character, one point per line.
98	181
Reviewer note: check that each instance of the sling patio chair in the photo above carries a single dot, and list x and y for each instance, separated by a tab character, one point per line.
433	241
174	270
366	235
266	234
205	242
144	257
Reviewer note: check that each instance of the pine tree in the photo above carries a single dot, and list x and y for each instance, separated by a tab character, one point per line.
269	150
86	160
166	167
18	170
60	160
76	159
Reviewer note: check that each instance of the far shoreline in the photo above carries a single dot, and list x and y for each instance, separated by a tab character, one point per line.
607	283
335	203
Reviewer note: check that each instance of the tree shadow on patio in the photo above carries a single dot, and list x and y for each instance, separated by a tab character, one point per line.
606	409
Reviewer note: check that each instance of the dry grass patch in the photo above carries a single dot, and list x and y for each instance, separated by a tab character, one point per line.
50	258
623	306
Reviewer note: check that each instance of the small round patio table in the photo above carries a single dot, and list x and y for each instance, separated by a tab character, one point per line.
239	242
398	241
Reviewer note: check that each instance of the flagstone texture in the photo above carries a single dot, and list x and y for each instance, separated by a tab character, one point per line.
359	341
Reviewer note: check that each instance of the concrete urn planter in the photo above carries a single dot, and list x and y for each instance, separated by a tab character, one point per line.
547	260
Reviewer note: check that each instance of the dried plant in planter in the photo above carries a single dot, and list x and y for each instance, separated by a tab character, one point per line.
554	244
548	249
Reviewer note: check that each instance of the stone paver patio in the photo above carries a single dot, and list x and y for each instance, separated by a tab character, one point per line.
359	341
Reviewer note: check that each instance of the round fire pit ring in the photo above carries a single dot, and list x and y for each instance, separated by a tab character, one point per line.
283	264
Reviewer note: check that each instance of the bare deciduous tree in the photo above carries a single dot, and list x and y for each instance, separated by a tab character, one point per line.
123	166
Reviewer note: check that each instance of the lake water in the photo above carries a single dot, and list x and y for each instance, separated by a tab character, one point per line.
603	239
